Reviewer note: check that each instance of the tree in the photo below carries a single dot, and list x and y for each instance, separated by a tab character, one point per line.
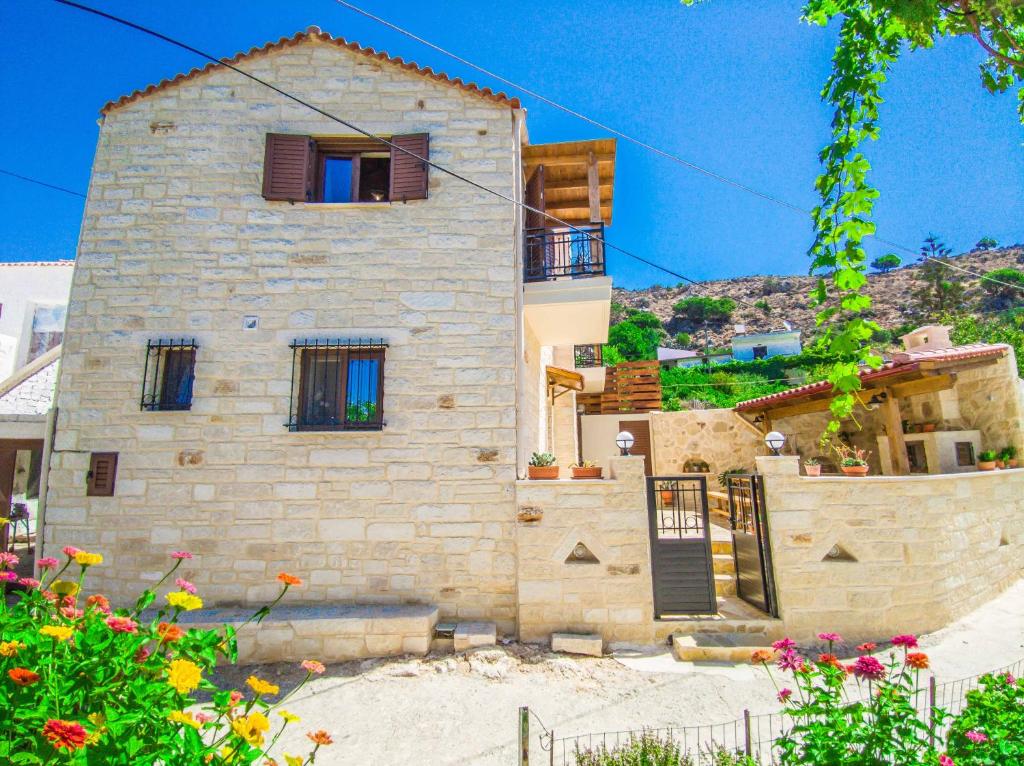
700	308
683	339
886	263
1004	287
647	320
986	243
941	291
634	343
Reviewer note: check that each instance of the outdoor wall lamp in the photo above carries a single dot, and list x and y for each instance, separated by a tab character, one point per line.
775	440
624	441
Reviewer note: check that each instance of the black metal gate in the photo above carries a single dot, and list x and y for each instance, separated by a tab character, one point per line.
751	547
684	580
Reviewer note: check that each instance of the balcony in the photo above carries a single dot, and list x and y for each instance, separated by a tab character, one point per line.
560	253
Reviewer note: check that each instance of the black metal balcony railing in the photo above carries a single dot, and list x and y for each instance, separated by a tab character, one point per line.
554	253
588	356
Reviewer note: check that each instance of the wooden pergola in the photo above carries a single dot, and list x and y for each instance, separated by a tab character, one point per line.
908	374
578	178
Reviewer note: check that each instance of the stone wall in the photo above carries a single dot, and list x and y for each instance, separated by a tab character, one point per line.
178	241
715	436
608	591
870	557
991	399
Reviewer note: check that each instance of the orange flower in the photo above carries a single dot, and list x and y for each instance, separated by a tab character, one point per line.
917	660
759	656
320	737
65	734
23	676
169	632
288	579
830	659
100	602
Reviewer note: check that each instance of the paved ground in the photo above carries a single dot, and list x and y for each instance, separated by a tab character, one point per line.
462	709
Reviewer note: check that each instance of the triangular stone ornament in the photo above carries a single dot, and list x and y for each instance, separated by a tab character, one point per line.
1003	539
838	553
581	554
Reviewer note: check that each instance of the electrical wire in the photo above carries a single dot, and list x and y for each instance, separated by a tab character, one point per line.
41	183
643	144
384	141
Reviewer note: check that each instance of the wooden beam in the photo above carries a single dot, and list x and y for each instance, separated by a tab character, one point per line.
593	188
928	385
916	387
562	160
894	433
550	186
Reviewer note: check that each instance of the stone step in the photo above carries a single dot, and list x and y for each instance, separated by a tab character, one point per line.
471	634
725	584
721	547
717	647
577	643
723	563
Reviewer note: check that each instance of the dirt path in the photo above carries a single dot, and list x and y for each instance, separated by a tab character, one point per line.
462	709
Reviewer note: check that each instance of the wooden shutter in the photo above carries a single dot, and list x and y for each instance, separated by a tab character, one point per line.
288	168
408	174
102	472
534	197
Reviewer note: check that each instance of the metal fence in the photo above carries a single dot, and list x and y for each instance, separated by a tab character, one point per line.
754	735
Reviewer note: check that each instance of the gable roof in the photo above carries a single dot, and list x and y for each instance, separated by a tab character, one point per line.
309	35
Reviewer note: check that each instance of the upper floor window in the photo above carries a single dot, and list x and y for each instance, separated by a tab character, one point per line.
337	385
169	374
301	168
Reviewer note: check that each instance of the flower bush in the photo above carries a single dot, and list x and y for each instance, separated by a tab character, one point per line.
82	683
990	730
648	749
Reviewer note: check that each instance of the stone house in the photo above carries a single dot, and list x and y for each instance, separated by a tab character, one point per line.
294	347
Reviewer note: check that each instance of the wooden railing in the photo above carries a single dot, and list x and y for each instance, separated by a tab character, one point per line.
628	387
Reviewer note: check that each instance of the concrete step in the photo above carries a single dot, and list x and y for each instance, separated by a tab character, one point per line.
717	647
472	634
725	584
721	547
724	563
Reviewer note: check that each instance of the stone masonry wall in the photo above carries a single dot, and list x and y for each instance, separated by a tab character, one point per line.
178	241
714	436
611	595
914	552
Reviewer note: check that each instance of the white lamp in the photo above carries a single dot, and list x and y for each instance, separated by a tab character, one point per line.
624	441
775	441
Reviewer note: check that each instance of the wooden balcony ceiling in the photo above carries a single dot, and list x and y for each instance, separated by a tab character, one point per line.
566	177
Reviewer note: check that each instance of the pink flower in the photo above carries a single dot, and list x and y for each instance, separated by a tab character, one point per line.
790	660
203	718
1008	677
122	625
8	576
976	737
945	760
907	641
785	694
185	585
8	559
70	551
832	638
180	555
143	654
783	644
235	697
47	562
29	582
71	612
313	666
868	667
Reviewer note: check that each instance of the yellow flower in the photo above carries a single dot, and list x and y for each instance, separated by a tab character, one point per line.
10	648
288	717
64	587
96	719
293	760
184	601
183	717
260	686
184	676
57	632
228	754
88	559
251	728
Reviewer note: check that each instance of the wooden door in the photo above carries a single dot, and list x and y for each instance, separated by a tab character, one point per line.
641	430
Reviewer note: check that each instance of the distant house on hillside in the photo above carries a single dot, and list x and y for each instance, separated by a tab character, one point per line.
682	357
748	347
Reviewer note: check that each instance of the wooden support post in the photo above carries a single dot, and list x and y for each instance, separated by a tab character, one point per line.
894	432
524	736
593	188
8	459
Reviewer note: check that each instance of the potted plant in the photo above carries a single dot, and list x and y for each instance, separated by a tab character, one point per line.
586	470
928	428
853	461
1009	456
812	467
542	466
987	461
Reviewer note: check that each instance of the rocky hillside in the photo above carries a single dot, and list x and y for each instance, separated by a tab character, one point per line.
787	298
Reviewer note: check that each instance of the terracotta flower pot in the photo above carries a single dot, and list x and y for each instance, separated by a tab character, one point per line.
1000	464
855	470
986	465
587	473
543	471
928	428
812	470
1012	463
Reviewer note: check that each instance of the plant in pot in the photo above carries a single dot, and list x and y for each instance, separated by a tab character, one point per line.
853	461
1009	456
542	466
987	460
812	467
586	470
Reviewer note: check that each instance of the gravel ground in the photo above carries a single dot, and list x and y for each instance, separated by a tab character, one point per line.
462	709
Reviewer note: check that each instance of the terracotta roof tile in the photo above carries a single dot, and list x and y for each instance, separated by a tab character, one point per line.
315	33
37	263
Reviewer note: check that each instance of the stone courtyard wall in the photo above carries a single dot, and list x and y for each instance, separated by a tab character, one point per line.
914	552
178	241
714	436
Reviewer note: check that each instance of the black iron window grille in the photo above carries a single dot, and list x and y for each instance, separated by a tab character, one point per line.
588	356
169	374
337	385
554	253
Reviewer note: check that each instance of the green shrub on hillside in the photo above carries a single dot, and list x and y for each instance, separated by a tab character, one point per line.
700	308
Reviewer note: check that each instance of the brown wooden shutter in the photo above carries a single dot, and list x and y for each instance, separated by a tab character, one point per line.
288	168
408	174
534	197
102	472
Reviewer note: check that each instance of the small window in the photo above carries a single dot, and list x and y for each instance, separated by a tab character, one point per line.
760	352
337	385
169	374
964	453
99	482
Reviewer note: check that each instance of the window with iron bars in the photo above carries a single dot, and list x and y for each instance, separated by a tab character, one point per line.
169	374
337	385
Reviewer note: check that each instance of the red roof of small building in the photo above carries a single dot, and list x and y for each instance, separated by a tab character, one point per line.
315	33
901	362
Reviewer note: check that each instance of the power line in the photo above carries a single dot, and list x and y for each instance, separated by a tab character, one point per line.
379	139
41	183
639	142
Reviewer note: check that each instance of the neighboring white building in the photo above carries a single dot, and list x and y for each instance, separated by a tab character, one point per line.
684	357
33	303
746	348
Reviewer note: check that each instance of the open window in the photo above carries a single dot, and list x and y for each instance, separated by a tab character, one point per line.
345	169
169	375
337	385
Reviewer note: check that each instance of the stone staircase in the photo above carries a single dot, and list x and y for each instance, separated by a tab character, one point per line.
724	566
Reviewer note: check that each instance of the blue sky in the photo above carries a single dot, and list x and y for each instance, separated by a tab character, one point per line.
730	85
